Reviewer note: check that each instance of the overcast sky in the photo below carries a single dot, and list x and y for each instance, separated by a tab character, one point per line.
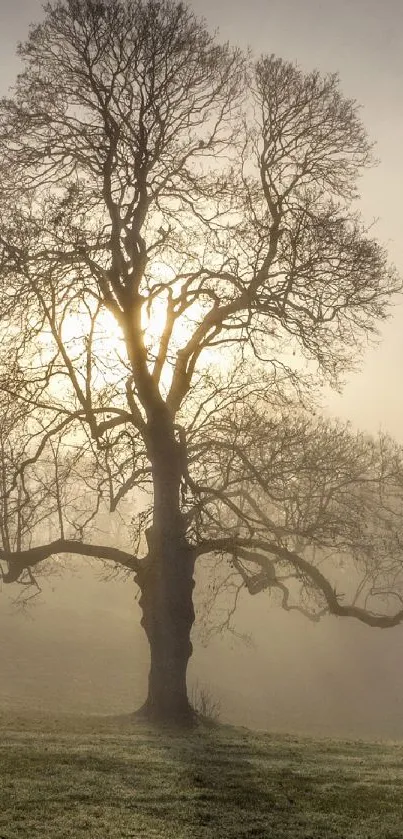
363	41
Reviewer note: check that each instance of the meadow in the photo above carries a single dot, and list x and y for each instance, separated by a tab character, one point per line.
113	777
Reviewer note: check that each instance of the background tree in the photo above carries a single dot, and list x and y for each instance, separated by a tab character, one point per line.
180	260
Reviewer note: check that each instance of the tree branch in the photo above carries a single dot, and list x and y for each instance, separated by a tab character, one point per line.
22	560
321	583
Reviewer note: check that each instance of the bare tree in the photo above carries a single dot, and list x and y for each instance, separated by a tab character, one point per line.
177	235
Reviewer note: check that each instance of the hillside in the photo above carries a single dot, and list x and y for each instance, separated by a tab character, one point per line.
111	777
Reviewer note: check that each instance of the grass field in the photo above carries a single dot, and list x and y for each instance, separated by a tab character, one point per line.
105	777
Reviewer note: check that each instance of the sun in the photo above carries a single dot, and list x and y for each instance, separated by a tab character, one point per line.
92	338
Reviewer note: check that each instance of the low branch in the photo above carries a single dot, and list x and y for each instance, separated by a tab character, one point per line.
322	585
23	560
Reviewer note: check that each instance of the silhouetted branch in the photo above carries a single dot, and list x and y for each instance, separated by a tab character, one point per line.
28	559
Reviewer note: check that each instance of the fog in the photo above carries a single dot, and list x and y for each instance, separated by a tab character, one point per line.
80	649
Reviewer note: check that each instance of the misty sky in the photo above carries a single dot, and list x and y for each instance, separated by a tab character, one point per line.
363	41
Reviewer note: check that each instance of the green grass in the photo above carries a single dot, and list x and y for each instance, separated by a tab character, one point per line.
101	778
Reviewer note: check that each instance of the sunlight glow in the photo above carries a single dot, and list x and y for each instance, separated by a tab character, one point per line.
155	310
95	345
107	332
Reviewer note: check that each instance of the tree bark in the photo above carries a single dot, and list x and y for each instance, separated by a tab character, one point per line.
167	589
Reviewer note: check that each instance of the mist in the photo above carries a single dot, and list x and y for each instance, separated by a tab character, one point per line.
79	648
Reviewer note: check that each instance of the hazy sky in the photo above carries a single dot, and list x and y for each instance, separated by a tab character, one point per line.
363	41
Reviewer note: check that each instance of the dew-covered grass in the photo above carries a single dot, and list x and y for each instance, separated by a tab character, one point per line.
113	777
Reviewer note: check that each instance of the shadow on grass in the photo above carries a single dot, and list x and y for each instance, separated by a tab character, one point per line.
113	778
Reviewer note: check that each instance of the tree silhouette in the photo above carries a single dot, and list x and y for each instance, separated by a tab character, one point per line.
181	262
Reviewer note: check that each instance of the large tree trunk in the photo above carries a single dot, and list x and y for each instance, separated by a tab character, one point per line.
167	592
